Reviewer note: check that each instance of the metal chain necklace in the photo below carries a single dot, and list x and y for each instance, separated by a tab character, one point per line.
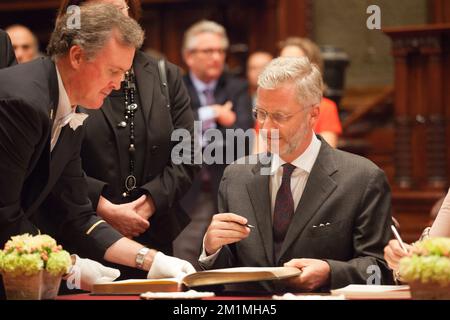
130	109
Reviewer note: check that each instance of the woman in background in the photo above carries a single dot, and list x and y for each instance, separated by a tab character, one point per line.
328	124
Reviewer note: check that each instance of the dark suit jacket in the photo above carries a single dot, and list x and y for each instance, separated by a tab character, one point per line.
162	179
347	191
31	175
229	88
7	56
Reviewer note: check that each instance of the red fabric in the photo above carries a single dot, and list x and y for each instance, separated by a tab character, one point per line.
328	118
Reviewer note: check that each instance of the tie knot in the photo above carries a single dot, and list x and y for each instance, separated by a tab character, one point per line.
288	168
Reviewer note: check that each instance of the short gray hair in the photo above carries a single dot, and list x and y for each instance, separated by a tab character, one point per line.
203	26
299	71
98	21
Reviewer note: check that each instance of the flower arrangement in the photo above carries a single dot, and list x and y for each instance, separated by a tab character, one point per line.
427	270
27	255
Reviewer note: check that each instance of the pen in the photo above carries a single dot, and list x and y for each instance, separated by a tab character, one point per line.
397	236
246	225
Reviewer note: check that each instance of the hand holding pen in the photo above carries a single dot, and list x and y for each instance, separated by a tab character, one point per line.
396	249
225	228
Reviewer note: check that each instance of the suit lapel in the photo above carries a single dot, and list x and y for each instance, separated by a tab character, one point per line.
318	188
147	85
195	100
220	94
147	82
258	190
106	109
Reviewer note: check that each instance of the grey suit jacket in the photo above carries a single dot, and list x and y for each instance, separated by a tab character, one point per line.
346	193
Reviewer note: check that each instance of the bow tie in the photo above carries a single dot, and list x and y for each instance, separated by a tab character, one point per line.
73	119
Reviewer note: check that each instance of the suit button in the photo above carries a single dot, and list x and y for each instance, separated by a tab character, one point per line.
154	150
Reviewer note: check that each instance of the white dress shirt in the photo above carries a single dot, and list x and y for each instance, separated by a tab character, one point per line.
300	175
64	113
205	112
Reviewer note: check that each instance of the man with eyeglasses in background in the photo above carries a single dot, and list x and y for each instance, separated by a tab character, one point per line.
322	210
220	101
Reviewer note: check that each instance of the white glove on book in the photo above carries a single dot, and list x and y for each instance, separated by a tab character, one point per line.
169	267
85	273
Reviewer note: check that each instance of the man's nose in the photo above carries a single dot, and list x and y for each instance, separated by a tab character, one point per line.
117	81
268	123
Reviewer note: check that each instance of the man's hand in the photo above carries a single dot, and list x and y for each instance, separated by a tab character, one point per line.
124	217
146	209
393	253
85	273
225	228
169	267
315	274
225	116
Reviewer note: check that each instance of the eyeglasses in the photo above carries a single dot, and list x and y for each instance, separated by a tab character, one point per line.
210	51
277	117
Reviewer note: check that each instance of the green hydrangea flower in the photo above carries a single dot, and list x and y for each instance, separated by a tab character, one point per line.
430	262
434	246
27	255
22	264
59	263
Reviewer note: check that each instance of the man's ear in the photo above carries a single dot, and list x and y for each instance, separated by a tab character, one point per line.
315	112
187	57
76	56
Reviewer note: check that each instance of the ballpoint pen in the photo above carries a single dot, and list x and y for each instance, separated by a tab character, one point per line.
399	239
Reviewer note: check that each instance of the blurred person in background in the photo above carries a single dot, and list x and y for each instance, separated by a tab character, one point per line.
25	43
328	125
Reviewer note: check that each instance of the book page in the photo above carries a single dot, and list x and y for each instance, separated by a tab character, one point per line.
143	281
362	288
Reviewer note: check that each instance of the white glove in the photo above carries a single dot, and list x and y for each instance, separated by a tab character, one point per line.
169	267
85	273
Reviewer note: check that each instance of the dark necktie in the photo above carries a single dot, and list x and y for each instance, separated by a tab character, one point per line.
284	209
205	176
210	100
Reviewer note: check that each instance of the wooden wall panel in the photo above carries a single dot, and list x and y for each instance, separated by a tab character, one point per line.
251	24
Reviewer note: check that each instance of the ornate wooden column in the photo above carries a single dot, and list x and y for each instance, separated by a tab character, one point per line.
421	122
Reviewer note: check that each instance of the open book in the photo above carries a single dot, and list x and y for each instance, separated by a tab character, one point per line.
201	278
365	292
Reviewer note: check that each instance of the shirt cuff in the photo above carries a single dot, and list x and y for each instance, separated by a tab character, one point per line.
206	113
207	261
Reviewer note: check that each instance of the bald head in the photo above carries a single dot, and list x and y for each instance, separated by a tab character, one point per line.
24	42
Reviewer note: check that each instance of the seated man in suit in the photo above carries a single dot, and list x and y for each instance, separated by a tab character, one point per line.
7	57
324	211
40	141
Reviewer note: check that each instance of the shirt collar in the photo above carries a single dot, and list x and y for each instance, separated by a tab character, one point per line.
201	86
305	161
64	107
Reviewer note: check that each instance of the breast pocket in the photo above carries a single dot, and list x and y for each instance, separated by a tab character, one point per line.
328	229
